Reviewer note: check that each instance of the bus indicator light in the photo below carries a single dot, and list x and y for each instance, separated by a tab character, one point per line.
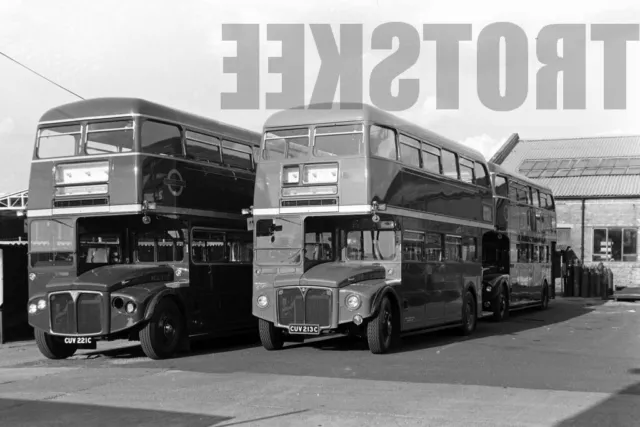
291	174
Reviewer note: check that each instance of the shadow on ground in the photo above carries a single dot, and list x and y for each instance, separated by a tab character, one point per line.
518	321
621	409
36	413
559	311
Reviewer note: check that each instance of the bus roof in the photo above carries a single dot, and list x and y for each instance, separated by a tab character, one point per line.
501	170
326	113
105	107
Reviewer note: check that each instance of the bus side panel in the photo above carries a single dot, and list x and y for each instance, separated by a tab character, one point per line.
174	183
352	187
123	181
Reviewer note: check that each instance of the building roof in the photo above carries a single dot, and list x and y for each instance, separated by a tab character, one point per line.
604	166
331	113
12	203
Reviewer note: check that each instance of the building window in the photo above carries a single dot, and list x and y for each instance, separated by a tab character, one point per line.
615	244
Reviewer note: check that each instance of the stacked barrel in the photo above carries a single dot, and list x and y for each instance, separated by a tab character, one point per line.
588	281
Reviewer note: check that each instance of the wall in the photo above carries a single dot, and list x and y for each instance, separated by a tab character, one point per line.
598	214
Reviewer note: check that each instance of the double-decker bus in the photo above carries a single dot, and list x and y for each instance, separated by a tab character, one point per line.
135	229
518	255
365	223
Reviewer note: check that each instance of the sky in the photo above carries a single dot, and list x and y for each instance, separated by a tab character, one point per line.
171	52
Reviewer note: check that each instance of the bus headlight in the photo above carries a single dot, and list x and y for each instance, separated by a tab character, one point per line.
262	301
488	288
32	308
41	304
130	307
353	302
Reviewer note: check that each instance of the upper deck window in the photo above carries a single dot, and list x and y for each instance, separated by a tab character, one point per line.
286	143
481	175
341	140
410	151
431	159
536	197
235	154
449	164
203	147
109	137
382	142
60	141
466	170
502	189
161	138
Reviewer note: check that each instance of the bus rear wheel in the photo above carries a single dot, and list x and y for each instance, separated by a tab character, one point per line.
469	314
500	305
164	332
271	337
53	347
383	329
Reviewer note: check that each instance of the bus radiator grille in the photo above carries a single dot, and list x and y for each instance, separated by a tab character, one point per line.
83	316
63	314
318	307
314	308
290	306
89	308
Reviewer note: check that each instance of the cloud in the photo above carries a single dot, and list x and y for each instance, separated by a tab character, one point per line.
7	125
484	143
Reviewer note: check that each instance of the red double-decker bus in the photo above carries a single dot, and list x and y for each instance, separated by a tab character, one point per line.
135	229
365	223
519	255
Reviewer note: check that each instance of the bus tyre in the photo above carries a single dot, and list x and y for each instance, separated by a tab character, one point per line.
469	314
271	337
383	330
500	305
164	332
53	347
544	304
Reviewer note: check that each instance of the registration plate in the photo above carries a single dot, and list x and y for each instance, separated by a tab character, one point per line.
304	329
81	342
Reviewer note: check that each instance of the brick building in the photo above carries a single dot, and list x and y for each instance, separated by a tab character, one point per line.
596	184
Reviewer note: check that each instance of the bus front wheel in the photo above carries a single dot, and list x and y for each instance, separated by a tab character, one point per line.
383	329
500	305
271	337
53	347
164	332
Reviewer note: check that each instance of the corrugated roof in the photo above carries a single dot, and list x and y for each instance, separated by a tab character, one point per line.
511	155
604	146
594	186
